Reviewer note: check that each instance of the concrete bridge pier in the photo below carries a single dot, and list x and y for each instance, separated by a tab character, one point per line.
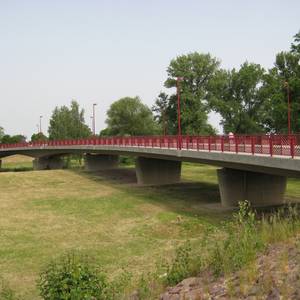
258	188
48	163
152	171
96	162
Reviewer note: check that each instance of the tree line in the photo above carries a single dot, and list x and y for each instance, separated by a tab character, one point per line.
249	100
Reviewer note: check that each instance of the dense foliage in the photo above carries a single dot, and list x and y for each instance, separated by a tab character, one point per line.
71	277
236	95
249	99
68	123
38	137
12	139
196	72
129	116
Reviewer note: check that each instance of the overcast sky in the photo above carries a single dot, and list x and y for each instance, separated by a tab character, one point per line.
99	51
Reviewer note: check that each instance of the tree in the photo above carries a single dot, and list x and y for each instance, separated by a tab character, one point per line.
13	139
160	109
38	137
286	71
129	116
1	133
236	95
197	71
295	47
68	123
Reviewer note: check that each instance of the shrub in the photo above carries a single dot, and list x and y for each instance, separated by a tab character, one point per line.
241	243
72	277
180	267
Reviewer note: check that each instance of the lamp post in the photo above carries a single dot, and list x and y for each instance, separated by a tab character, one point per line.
41	124
178	110
286	84
94	119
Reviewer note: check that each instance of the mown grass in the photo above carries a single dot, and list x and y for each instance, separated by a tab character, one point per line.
105	215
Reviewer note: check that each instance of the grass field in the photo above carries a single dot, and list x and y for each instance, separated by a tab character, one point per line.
46	213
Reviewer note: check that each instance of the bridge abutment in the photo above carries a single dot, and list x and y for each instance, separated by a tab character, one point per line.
152	171
258	188
48	163
96	162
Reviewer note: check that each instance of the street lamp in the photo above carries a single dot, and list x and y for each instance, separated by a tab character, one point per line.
94	119
286	84
178	110
41	124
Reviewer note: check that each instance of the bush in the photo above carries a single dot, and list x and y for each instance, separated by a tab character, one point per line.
180	267
72	277
242	242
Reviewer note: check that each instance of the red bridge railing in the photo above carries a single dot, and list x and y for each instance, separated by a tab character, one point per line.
279	145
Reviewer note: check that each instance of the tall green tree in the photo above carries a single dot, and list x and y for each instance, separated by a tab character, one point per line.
236	96
283	76
1	133
197	71
160	109
129	116
38	137
68	123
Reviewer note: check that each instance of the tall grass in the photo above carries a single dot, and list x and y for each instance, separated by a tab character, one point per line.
229	248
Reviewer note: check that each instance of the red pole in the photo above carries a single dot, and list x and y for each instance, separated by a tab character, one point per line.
164	122
41	124
94	119
178	112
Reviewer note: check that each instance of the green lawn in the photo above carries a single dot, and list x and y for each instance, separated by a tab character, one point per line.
106	215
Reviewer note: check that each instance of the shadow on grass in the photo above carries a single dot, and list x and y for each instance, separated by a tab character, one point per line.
184	198
16	169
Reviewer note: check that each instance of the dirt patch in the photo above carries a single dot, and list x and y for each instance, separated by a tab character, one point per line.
274	275
17	159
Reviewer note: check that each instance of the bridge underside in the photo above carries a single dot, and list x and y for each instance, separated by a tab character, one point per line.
259	179
48	163
96	162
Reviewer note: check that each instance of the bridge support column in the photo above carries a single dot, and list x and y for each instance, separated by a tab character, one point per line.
258	188
95	162
154	171
48	163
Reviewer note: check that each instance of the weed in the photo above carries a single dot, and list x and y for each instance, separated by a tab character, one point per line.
180	267
72	277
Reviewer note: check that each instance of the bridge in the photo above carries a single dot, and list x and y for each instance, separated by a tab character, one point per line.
253	168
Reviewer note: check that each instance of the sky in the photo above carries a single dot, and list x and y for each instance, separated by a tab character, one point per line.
100	51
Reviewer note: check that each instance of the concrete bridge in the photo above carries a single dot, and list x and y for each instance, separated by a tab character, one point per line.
253	168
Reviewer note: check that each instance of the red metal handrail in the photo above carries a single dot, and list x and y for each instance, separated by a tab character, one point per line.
273	145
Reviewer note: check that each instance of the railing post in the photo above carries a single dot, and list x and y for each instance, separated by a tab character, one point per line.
252	145
292	147
209	146
271	145
236	145
222	143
